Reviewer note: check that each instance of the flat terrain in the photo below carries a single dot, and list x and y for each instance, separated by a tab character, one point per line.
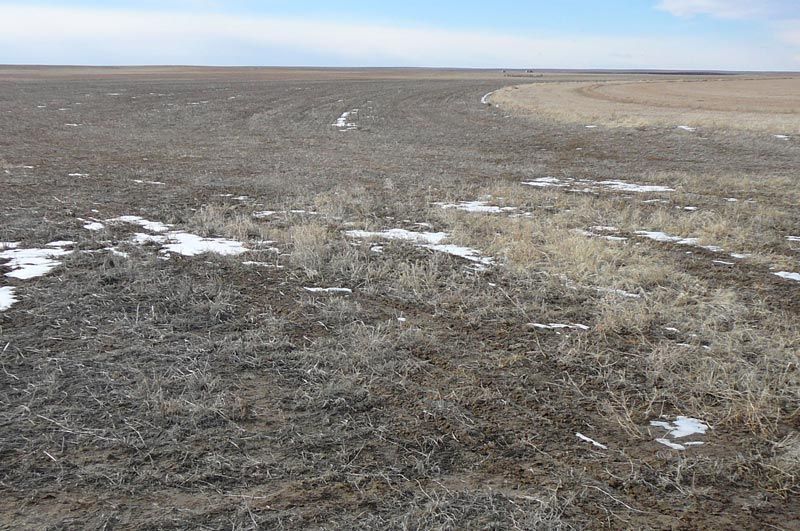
292	299
765	103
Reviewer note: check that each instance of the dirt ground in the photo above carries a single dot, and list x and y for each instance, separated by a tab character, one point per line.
768	103
634	279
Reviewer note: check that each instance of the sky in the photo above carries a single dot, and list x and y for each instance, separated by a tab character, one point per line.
635	34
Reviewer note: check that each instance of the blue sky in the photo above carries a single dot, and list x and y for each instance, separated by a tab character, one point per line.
698	34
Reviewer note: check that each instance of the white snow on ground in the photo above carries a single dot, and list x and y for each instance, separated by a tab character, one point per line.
781	137
264	214
630	187
681	428
590	234
94	225
485	98
8	245
428	240
61	243
793	238
687	128
546	182
138	181
731	200
667	238
77	175
329	290
592	127
344	122
556	326
72	125
142	239
476	206
590	186
592	441
789	276
191	245
153	226
31	263
7	298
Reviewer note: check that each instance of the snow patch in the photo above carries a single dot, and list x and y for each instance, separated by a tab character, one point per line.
153	226
557	326
591	186
687	128
592	441
329	290
482	207
31	263
138	181
191	245
94	226
485	98
345	123
428	240
781	137
680	428
7	298
788	276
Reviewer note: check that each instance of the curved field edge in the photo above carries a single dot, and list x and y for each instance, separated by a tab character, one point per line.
637	104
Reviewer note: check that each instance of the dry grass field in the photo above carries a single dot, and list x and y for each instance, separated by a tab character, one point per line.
276	299
768	104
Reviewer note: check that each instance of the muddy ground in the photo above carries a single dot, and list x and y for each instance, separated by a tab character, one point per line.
202	393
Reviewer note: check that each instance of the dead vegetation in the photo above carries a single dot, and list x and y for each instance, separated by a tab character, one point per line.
768	104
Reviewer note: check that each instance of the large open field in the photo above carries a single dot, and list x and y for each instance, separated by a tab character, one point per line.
297	299
767	103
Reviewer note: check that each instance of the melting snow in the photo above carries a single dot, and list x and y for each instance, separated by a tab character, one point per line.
589	186
592	441
428	240
191	245
344	123
681	428
789	276
630	187
31	263
329	290
793	238
7	298
546	182
95	225
667	238
781	137
687	128
556	326
77	175
476	206
153	226
138	181
485	98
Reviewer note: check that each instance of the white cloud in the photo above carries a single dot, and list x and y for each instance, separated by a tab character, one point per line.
53	35
732	9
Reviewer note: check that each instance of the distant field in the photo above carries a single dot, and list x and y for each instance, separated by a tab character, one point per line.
769	104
